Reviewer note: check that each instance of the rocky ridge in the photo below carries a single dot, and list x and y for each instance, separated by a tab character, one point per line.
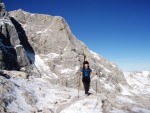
53	41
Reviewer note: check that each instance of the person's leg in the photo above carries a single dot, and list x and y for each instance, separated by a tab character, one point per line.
88	85
86	88
85	85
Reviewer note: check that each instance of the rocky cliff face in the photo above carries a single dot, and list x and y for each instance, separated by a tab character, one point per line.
53	41
12	53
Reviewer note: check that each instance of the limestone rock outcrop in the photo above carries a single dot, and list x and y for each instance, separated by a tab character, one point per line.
12	53
53	41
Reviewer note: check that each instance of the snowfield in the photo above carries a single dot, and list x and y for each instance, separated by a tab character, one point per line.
38	94
139	81
37	91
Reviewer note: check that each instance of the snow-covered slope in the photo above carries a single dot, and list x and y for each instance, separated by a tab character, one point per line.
39	95
139	81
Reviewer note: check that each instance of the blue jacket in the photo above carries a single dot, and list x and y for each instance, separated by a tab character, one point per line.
86	72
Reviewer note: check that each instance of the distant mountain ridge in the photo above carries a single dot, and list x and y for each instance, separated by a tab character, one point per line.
139	81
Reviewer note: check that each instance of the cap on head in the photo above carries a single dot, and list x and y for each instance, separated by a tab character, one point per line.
85	62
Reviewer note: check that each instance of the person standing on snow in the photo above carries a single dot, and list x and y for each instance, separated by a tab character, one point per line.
86	79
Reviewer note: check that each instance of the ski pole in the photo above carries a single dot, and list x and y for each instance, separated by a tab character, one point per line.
96	86
78	86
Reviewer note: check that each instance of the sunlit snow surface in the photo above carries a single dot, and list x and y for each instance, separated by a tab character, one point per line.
64	100
139	81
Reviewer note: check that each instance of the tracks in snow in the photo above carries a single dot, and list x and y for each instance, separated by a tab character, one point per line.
73	100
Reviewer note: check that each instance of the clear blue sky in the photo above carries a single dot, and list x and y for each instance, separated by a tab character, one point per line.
118	30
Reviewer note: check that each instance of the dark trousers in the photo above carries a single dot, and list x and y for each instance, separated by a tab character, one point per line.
86	82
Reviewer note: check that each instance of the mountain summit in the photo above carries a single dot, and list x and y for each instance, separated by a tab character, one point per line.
59	50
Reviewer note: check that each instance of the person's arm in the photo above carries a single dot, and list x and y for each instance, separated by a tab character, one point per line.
81	73
94	73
